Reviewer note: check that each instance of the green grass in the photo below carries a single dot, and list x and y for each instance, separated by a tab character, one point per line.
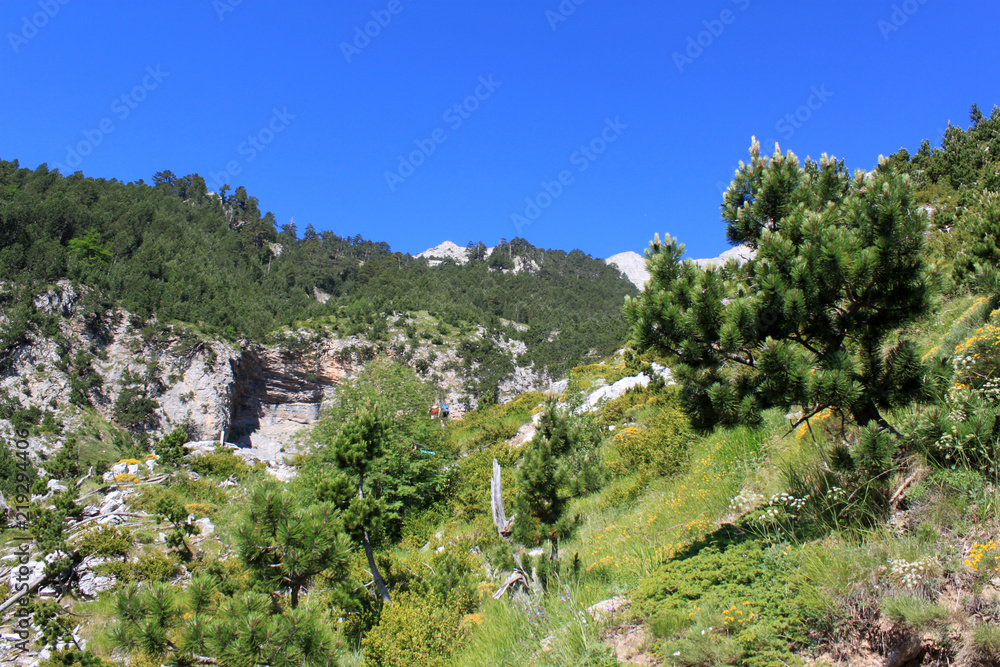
915	611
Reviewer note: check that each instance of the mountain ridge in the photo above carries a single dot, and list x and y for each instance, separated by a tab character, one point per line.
632	264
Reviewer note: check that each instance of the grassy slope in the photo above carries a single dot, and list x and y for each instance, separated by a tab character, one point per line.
849	581
819	589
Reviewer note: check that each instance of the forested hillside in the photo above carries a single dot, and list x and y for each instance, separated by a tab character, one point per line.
792	460
218	262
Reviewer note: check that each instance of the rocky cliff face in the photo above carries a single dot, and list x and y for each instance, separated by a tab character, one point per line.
256	396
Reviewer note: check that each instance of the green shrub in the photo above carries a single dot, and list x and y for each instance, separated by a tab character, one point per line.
623	491
230	576
221	463
134	409
985	642
66	464
471	498
723	600
72	657
416	629
105	541
617	410
25	419
658	445
144	536
451	575
154	566
171	448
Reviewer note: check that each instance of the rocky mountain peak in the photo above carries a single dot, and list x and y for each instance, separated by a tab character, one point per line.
446	251
633	265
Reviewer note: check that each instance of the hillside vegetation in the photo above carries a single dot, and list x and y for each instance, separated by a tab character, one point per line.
792	461
216	261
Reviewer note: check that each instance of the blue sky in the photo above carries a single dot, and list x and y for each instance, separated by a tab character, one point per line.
596	123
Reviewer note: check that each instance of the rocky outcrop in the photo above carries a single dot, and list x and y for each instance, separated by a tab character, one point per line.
633	265
255	395
445	251
258	397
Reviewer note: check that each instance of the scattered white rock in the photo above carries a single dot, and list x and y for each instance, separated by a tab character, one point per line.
523	435
605	609
89	583
55	487
31	577
206	526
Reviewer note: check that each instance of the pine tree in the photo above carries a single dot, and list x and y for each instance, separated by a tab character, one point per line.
545	481
361	441
286	545
809	321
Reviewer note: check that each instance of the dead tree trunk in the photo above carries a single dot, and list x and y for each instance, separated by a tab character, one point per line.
500	520
376	575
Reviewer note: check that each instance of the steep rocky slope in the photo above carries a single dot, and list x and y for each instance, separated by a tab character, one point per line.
151	377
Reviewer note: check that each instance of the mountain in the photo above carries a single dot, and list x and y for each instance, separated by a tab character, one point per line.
164	304
447	251
633	265
740	253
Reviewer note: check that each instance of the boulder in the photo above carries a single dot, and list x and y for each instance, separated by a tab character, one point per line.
606	609
55	487
89	583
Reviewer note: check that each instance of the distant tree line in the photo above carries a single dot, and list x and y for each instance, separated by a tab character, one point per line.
215	260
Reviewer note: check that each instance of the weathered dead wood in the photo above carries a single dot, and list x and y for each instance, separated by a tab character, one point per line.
898	496
85	477
500	520
514	577
32	586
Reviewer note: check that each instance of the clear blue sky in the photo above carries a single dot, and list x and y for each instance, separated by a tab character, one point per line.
182	85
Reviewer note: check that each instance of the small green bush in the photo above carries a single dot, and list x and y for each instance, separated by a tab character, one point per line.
985	642
25	419
171	448
72	657
143	536
471	498
106	541
623	491
719	601
416	629
617	410
221	463
658	445
155	566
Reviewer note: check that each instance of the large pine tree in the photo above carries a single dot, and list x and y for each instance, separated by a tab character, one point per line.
810	320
